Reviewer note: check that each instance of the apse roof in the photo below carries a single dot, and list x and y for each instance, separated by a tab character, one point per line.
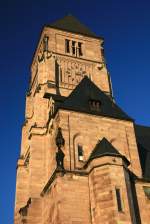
71	24
105	148
85	94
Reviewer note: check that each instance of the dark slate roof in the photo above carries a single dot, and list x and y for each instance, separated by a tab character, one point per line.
105	148
143	135
79	99
71	24
143	141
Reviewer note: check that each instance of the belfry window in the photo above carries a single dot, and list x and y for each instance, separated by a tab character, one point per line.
73	48
147	191
95	105
80	152
119	201
80	49
67	46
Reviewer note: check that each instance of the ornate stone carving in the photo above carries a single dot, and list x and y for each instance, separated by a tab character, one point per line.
60	155
71	72
60	159
44	52
51	106
59	139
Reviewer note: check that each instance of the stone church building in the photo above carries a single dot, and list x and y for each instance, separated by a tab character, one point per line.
83	160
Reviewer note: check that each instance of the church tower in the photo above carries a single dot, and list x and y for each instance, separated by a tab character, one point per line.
83	160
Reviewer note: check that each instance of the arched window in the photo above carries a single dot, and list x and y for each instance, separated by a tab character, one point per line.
80	152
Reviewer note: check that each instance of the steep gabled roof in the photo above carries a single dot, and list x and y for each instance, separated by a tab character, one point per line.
143	142
86	91
105	148
71	24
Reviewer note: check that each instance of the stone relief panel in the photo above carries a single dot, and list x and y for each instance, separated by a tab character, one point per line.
43	49
65	72
72	72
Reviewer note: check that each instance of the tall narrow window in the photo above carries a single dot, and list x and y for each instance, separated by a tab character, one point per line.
80	152
119	201
80	49
60	72
67	46
73	47
45	43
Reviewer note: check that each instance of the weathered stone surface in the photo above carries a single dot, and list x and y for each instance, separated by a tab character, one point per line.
81	193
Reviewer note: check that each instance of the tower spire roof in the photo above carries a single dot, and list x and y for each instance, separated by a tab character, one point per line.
71	24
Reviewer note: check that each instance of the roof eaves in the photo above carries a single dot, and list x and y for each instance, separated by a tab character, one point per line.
80	33
107	154
94	113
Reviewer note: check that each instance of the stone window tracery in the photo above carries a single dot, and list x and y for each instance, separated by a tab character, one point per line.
67	47
80	49
74	48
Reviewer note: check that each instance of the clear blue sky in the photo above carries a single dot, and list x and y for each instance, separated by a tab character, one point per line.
125	26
